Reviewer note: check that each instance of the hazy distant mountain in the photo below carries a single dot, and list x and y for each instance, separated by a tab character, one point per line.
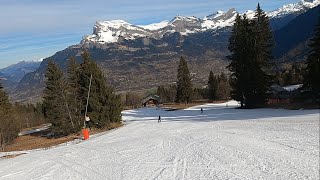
14	73
138	57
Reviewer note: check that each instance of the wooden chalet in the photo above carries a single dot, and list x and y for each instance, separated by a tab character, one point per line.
150	101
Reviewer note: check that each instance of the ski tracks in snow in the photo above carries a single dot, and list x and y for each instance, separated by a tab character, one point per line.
221	143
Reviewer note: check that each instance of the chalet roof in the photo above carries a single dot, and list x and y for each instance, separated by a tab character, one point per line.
293	87
277	88
154	97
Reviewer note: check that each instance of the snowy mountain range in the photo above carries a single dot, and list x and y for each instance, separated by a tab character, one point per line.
136	57
299	7
105	32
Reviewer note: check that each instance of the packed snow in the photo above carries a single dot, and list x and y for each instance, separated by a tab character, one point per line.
222	142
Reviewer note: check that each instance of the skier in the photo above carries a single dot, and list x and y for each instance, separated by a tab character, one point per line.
159	119
87	122
90	123
201	110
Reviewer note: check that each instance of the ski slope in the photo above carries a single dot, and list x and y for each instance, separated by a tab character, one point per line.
220	143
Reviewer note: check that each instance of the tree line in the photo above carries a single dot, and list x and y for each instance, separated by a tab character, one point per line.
15	117
217	88
65	97
251	67
251	45
64	102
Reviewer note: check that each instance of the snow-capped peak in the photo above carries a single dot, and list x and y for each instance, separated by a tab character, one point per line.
113	23
184	18
221	14
310	3
250	14
218	14
117	30
220	19
294	7
111	31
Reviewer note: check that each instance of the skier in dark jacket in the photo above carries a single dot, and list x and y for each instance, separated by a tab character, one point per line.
159	119
90	123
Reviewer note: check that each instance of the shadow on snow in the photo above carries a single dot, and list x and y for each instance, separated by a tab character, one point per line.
211	112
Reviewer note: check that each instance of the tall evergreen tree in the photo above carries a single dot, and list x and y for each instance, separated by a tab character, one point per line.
8	129
262	55
212	86
74	99
104	105
223	89
311	78
56	103
167	93
184	86
4	99
239	47
263	42
250	45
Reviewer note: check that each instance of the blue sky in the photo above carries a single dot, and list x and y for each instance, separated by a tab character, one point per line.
34	29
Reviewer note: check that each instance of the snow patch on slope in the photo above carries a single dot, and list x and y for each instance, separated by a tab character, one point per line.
155	26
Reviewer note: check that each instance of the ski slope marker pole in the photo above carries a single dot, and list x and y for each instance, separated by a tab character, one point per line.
85	114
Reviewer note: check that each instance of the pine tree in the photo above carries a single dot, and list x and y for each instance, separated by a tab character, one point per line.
212	86
104	105
262	55
8	129
263	42
74	99
167	93
184	86
239	47
56	103
4	99
223	87
311	78
250	45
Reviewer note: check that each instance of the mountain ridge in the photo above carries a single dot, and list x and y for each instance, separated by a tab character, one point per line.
111	31
15	72
144	62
